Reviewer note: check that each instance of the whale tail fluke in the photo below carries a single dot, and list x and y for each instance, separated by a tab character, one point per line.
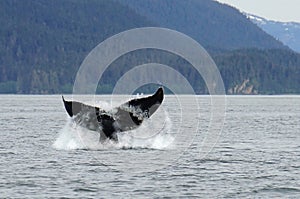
126	117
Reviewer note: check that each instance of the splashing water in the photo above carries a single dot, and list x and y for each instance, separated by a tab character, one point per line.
154	133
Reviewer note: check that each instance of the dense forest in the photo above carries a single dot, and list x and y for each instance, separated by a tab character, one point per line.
42	44
212	24
253	71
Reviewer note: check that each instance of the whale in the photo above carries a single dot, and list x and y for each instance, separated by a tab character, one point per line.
128	116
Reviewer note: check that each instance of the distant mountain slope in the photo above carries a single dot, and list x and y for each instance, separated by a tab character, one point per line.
251	71
42	43
287	32
209	22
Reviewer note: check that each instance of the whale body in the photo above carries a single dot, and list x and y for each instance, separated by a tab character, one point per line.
127	116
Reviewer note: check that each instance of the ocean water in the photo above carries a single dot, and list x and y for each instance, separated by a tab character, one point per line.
43	154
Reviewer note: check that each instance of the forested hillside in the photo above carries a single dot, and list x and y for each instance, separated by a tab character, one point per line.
244	71
212	24
42	44
253	71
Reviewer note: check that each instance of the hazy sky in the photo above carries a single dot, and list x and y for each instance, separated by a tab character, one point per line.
279	10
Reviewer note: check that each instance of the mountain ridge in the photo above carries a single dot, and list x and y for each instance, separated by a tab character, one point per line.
42	44
208	22
286	32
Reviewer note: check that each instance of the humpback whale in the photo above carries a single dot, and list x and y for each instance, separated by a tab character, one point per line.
127	116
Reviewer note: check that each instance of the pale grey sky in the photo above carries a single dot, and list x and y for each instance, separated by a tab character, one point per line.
279	10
